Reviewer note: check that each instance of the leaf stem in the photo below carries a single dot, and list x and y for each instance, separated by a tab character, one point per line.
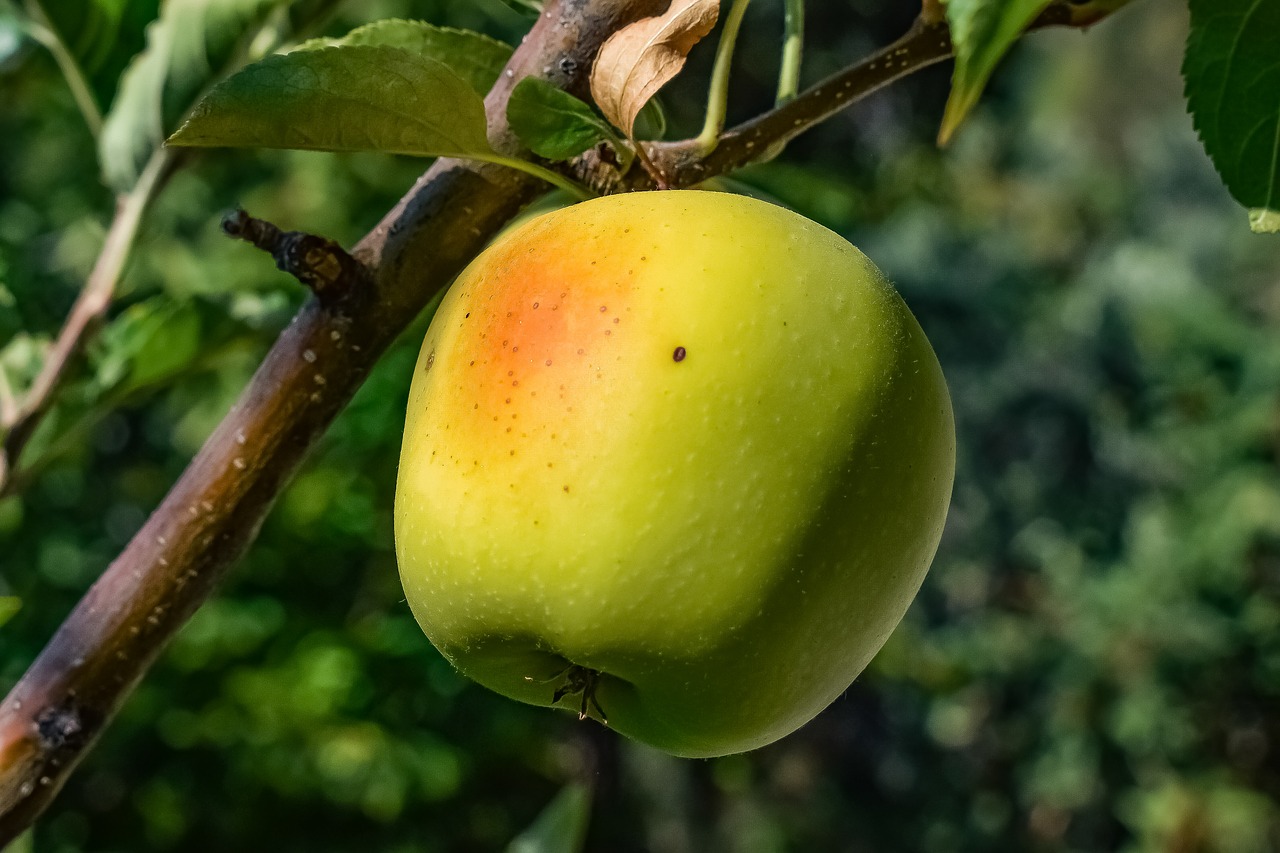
718	96
45	33
792	50
575	189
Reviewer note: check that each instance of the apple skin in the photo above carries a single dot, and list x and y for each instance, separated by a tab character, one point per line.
691	443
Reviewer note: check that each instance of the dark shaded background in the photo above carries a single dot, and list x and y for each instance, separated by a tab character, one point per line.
1094	661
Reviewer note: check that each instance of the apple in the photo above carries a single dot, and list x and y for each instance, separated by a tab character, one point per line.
675	460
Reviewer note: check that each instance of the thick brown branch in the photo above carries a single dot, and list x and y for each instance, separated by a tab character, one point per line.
69	694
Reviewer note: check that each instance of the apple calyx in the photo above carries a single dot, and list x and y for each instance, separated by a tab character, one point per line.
577	680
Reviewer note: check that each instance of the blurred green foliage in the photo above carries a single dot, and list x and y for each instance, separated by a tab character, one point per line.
1093	663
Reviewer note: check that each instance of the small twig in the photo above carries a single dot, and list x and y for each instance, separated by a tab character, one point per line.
94	300
95	297
86	315
73	435
921	47
326	268
686	163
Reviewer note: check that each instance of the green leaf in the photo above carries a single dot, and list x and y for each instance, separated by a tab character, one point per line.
91	39
982	32
93	30
561	827
1232	73
350	98
475	58
88	29
555	124
147	343
192	44
8	607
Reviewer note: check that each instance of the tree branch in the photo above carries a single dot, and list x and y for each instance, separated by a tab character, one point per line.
922	46
54	714
86	314
687	163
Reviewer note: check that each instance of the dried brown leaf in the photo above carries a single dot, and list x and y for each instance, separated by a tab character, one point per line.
638	60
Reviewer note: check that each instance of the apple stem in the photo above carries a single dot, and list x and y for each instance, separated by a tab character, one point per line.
651	168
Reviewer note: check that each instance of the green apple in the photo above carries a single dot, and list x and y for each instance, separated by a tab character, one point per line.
675	460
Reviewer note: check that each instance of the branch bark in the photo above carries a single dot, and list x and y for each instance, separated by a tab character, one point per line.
55	713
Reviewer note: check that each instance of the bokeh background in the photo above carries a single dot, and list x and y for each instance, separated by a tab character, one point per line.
1093	663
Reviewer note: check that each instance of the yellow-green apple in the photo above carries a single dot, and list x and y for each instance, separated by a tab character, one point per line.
675	459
